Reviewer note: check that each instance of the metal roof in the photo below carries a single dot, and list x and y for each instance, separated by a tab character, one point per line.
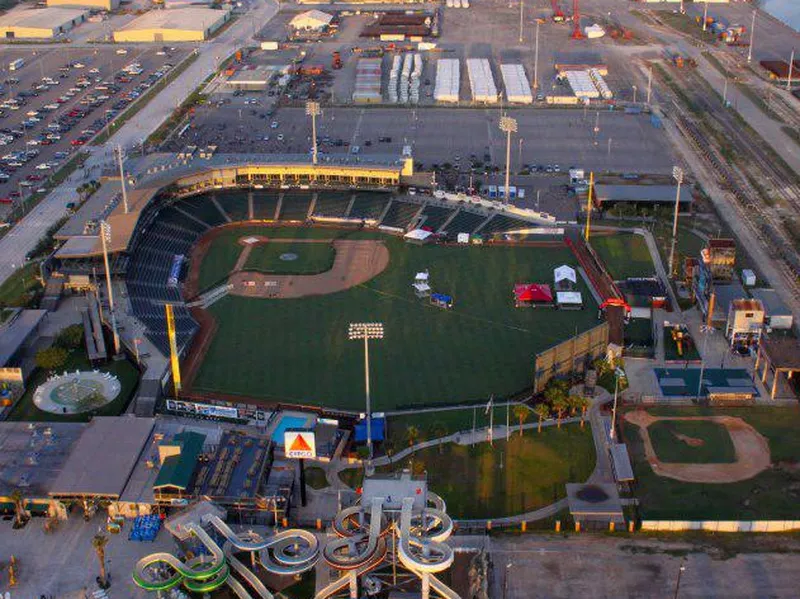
772	302
640	193
103	459
176	471
15	332
42	18
621	462
185	19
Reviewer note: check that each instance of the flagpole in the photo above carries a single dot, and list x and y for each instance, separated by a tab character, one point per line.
491	423
508	421
474	420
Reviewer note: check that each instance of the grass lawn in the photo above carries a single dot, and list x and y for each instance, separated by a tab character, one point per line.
315	477
128	375
535	469
625	255
716	448
21	286
773	494
482	346
311	258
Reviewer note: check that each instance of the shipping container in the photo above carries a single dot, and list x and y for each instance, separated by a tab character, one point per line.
518	90
481	81
448	80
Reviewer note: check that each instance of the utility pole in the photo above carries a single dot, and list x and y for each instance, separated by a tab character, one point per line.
725	93
589	206
677	173
105	239
705	15
536	60
791	68
752	35
649	83
521	5
508	125
122	180
312	110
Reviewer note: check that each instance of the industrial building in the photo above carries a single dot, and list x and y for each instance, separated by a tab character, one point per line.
606	196
89	4
42	23
311	20
368	81
518	90
184	25
255	78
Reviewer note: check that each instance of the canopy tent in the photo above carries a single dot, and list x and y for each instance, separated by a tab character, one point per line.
565	273
441	300
532	293
378	425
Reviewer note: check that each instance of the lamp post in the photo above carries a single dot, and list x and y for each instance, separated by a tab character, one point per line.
649	83
105	239
677	174
634	93
122	179
312	110
505	579
681	570
618	372
791	69
536	60
707	331
521	8
508	125
366	331
752	35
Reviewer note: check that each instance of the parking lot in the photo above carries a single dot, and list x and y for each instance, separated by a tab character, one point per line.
52	102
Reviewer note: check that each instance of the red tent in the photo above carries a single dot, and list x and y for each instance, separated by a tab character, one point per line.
530	293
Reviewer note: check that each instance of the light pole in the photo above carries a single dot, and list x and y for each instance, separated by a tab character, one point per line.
677	173
725	93
791	68
312	110
508	125
618	372
521	5
536	60
705	15
505	579
634	94
366	331
678	582
752	35
105	239
707	331
649	83
122	180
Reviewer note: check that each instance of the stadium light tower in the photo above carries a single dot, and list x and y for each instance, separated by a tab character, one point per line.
752	35
313	110
508	125
105	239
366	331
677	174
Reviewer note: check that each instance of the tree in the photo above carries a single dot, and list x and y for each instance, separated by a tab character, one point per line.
51	358
555	389
20	517
561	405
70	338
542	411
521	413
99	543
437	431
412	435
580	402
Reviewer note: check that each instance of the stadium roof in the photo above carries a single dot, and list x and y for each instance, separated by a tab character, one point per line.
15	332
176	471
103	459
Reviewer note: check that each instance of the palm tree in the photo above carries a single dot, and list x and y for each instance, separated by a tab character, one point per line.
560	405
99	542
542	411
521	413
19	508
581	402
412	435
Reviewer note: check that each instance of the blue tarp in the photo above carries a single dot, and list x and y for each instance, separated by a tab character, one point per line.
441	298
378	428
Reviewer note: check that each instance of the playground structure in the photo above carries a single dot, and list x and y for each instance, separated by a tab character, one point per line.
286	553
397	523
682	338
76	392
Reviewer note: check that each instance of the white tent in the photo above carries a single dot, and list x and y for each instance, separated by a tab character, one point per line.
311	19
565	273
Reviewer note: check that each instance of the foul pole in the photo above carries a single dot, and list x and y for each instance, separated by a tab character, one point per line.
173	350
589	206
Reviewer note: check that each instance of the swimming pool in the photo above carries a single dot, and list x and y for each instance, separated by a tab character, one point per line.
287	422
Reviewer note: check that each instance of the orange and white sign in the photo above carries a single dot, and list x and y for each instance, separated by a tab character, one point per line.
300	444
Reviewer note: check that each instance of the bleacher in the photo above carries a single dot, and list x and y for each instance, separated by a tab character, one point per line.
295	206
202	208
264	204
369	205
235	204
502	223
332	204
400	214
434	217
465	222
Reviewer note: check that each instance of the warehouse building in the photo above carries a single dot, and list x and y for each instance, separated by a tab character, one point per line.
90	4
42	23
312	20
184	25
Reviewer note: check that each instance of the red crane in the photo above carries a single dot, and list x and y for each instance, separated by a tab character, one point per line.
577	34
558	14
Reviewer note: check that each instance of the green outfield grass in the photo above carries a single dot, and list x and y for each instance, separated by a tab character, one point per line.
535	468
716	448
483	346
311	258
625	255
773	494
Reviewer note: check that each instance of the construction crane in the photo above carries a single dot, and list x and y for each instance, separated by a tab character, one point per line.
558	14
577	34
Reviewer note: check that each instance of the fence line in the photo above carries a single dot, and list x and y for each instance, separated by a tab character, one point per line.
721	525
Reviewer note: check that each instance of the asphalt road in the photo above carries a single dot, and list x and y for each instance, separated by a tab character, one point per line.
15	245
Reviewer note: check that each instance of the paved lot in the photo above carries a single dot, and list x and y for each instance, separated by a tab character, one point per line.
52	104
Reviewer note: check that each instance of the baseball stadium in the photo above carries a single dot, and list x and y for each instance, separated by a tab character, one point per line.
266	263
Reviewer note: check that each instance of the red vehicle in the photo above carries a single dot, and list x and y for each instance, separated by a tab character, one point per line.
34	177
78	142
6	201
15	194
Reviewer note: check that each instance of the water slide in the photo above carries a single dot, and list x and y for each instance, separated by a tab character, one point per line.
200	574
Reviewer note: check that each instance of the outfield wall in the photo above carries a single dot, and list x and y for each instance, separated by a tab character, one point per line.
571	355
721	525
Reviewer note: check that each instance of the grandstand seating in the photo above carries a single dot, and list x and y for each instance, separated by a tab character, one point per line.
434	217
332	204
501	223
400	214
264	204
295	206
235	204
465	222
202	208
369	205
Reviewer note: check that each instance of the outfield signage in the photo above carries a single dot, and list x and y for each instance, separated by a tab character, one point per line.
299	443
202	409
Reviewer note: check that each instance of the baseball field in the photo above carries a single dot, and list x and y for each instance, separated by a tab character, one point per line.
282	337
